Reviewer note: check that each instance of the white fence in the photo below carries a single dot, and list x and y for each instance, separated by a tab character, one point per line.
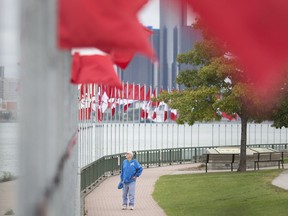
97	140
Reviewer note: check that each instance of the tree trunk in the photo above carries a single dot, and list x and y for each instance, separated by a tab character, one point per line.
242	164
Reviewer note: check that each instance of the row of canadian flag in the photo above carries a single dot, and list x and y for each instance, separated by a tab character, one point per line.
101	99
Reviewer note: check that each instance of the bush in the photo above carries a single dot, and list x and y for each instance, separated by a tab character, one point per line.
10	212
7	176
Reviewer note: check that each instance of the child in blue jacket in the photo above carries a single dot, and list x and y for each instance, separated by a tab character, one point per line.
131	169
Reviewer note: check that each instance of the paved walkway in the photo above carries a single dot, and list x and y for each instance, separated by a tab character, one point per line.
8	196
282	180
106	199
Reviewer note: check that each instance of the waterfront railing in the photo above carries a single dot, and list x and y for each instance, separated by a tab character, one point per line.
109	165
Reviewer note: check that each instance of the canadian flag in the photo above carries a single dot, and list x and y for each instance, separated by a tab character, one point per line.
229	117
173	114
157	108
104	102
154	116
113	106
99	114
127	104
145	110
97	68
165	112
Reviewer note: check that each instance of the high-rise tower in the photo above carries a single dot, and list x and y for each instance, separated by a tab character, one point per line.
174	36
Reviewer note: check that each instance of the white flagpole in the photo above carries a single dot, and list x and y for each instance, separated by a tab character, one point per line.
139	102
133	98
127	114
123	94
145	109
156	117
133	112
151	122
139	123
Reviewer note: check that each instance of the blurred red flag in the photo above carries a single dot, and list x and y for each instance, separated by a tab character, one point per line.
105	24
142	93
124	57
94	69
256	31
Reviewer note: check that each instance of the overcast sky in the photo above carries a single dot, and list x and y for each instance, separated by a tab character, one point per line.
149	16
10	37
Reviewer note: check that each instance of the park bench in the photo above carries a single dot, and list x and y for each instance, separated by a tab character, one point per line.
268	157
235	158
220	158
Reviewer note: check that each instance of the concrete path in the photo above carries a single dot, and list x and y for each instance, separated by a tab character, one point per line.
282	180
106	198
8	196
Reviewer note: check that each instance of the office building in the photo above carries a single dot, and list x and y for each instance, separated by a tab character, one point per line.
174	36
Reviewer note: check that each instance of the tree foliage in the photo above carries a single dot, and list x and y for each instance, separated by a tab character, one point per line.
216	84
280	111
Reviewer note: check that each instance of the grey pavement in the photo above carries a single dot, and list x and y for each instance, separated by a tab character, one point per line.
106	200
282	180
8	196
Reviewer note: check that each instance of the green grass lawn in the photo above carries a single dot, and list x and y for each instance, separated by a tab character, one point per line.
221	194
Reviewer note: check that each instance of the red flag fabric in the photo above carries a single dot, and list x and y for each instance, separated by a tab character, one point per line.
82	93
123	58
145	110
125	90
84	113
99	114
136	92
165	112
256	32
80	116
113	107
154	116
127	104
142	93
108	25
130	91
148	94
94	69
173	114
154	94
229	117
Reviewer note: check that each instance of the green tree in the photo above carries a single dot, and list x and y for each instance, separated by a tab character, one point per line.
280	111
216	74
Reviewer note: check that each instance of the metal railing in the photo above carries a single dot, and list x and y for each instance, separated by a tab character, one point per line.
111	164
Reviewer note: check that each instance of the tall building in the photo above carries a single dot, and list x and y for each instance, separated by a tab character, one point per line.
10	90
174	36
141	70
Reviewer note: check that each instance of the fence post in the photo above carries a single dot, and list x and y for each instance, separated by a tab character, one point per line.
147	152
47	128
